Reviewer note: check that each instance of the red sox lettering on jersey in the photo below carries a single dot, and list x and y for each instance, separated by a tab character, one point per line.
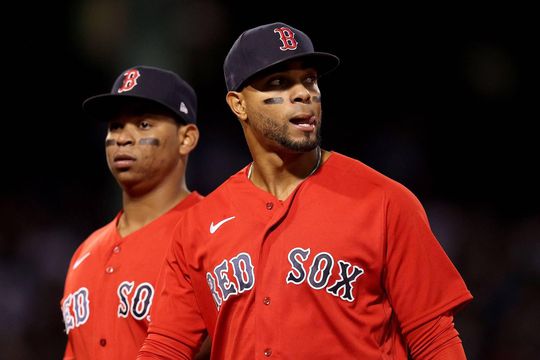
141	301
317	276
286	36
132	301
75	309
130	80
320	271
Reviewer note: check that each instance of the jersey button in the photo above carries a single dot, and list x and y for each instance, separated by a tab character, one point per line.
266	300
267	352
116	249
269	205
103	342
109	270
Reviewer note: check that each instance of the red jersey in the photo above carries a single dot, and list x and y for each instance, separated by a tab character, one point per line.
341	269
110	287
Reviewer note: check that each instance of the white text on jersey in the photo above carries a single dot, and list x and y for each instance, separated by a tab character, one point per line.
132	300
222	286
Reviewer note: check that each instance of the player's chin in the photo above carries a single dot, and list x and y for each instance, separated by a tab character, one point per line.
124	175
130	181
301	145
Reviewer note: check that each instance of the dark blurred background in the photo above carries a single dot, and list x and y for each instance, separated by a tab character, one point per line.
439	99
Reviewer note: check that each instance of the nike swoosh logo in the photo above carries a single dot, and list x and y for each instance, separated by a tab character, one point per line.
213	228
80	260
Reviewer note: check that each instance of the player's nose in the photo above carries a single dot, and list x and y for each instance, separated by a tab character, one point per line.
299	93
125	137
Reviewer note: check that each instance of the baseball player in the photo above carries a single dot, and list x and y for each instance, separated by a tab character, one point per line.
305	253
111	280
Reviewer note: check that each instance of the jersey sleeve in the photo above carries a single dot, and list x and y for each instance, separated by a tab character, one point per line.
176	329
435	337
421	281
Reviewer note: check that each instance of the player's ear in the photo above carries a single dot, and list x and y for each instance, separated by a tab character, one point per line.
189	137
237	104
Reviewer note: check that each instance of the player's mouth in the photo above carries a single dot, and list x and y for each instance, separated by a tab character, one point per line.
123	161
304	122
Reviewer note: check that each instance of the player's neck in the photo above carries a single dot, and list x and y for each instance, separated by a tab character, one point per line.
139	211
281	174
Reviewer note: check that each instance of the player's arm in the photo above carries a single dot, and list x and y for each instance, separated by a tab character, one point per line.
454	352
177	328
423	286
436	339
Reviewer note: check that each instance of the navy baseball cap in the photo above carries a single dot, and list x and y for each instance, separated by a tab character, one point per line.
148	87
267	45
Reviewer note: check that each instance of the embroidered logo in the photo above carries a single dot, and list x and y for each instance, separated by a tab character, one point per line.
213	228
130	80
286	36
80	260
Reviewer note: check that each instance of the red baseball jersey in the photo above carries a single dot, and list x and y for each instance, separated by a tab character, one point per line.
110	287
341	269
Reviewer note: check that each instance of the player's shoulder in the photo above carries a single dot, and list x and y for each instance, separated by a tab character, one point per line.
357	176
217	204
220	196
183	206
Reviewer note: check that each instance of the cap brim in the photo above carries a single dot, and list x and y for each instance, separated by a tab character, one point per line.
104	107
323	62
